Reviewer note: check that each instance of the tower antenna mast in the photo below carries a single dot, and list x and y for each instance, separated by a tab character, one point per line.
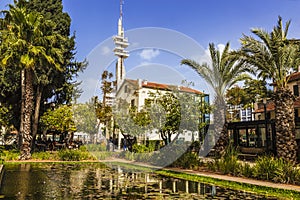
121	8
121	43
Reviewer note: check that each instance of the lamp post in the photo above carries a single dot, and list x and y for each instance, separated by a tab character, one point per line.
266	124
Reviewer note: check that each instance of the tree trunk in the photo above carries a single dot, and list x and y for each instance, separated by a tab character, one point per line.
220	127
169	138
164	137
20	134
28	108
285	125
36	114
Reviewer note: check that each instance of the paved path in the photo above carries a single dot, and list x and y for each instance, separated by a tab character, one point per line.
216	176
242	180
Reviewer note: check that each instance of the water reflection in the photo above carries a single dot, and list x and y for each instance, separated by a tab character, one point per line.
97	181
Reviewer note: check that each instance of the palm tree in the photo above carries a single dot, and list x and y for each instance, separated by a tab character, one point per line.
222	73
274	56
25	44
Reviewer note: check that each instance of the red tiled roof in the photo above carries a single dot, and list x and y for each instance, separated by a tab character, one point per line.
155	85
292	77
271	106
190	90
162	86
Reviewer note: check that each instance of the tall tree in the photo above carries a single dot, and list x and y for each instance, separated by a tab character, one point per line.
172	111
85	118
60	119
10	94
235	97
222	73
24	42
57	85
103	109
273	55
175	112
255	89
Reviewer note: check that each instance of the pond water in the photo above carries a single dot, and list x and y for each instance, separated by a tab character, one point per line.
99	181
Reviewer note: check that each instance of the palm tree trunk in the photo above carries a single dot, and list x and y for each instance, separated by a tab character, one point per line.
220	127
28	108
20	134
39	92
285	125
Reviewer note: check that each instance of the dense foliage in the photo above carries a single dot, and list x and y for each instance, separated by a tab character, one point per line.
221	73
59	119
37	64
85	118
273	56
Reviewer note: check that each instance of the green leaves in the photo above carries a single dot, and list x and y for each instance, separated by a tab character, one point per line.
59	119
272	54
85	118
223	71
27	61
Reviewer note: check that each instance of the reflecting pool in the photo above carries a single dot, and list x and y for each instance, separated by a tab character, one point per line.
99	181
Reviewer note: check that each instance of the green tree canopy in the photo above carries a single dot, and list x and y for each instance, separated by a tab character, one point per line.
24	43
85	117
221	73
274	56
59	119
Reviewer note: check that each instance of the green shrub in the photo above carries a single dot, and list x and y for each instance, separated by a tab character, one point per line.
246	170
188	160
152	145
102	155
10	155
287	173
228	164
139	148
69	155
167	155
276	169
95	147
74	155
44	155
129	155
195	146
265	168
142	157
83	148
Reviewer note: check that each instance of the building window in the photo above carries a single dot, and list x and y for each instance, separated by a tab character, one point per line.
126	90
132	103
243	112
296	90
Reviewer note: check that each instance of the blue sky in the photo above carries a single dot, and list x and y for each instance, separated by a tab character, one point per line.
203	21
206	21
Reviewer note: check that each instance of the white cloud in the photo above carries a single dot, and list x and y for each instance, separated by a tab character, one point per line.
205	58
105	50
221	47
149	54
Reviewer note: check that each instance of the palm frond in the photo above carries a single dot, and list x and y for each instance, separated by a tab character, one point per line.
224	70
